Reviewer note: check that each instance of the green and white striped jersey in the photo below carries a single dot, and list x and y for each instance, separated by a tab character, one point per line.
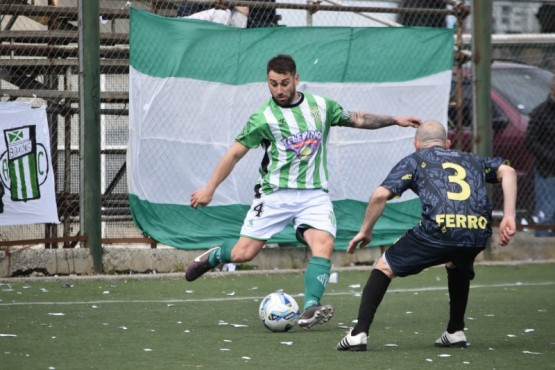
295	142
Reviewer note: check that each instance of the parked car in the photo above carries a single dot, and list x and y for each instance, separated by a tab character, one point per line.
516	89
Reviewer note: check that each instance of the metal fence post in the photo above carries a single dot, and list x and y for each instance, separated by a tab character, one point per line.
481	72
89	123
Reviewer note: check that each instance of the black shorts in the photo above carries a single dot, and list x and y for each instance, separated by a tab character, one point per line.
409	256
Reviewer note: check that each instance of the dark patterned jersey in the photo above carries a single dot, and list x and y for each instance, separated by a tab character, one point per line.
456	211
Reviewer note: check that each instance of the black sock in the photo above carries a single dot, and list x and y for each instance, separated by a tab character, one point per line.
372	296
459	287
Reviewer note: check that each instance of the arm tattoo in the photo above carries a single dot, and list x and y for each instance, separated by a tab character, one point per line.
371	121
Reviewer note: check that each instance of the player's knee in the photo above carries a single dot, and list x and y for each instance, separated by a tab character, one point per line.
242	256
382	265
246	249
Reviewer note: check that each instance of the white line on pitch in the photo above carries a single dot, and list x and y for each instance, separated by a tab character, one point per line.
228	298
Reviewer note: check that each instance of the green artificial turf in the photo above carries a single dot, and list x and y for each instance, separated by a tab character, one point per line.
168	323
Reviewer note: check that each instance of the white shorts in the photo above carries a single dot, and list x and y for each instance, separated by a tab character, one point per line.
271	213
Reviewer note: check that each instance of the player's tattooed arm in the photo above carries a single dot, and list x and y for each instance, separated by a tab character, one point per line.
370	121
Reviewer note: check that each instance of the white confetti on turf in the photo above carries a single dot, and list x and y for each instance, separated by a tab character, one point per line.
343	326
444	355
542	310
222	322
532	353
408	312
489	315
391	345
189	291
231	294
511	335
354	286
56	314
287	343
44	290
240	325
186	331
225	349
148	349
253	288
491	349
123	327
429	360
246	358
94	306
528	330
466	362
106	292
227	340
8	335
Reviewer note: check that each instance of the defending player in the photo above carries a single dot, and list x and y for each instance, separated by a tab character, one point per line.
292	128
455	225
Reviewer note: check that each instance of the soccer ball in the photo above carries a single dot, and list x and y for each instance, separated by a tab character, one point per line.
278	311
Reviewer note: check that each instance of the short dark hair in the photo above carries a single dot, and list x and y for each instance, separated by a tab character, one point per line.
282	64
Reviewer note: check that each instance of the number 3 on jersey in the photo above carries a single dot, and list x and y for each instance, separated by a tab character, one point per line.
457	178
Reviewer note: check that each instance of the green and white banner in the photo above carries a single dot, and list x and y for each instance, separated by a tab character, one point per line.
193	85
27	193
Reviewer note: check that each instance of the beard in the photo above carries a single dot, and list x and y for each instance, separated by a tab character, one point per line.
285	100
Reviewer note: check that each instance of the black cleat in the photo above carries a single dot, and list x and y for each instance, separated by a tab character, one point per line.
199	266
315	315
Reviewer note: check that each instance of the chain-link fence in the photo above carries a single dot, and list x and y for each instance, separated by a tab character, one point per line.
39	62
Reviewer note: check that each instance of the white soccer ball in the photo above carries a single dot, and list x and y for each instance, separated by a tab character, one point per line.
278	311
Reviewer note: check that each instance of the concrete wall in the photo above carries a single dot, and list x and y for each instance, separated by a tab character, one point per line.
132	259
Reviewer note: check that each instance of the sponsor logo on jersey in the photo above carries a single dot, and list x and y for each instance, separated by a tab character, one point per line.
461	221
305	144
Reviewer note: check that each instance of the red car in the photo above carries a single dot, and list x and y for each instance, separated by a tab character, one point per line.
516	89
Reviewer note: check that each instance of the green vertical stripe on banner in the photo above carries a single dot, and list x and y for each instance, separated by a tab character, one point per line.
15	187
33	179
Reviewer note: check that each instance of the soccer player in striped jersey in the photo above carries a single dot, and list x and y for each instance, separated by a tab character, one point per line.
454	228
292	128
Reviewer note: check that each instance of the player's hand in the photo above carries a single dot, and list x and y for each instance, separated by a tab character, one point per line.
360	240
408	121
201	197
507	229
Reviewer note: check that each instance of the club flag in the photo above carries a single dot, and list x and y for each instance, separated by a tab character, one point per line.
194	84
27	192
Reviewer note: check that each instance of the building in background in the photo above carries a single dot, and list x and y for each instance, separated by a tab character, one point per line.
515	17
